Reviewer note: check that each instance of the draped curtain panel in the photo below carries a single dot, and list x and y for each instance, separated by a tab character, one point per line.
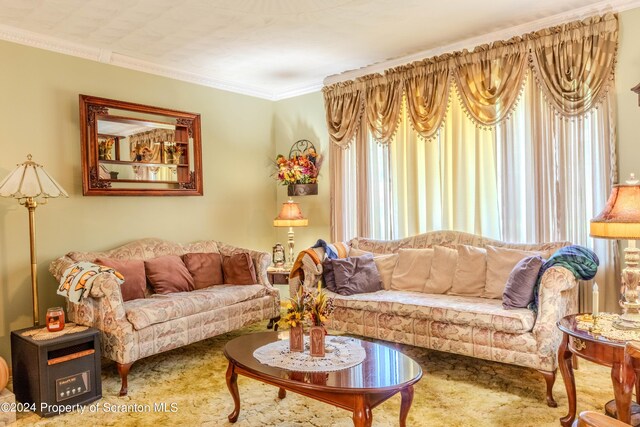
490	79
429	87
573	64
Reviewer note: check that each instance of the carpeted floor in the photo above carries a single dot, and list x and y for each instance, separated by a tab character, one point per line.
454	391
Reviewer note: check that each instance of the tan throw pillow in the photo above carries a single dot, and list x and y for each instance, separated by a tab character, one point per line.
385	263
412	269
442	269
500	263
471	272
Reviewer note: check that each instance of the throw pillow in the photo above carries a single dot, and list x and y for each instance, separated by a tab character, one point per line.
500	263
518	292
385	263
168	274
135	282
238	269
412	269
443	268
471	272
328	276
356	275
205	268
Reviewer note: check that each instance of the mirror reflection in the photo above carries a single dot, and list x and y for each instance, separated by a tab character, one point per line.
130	150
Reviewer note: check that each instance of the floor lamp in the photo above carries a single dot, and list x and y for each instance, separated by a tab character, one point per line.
30	184
620	220
290	216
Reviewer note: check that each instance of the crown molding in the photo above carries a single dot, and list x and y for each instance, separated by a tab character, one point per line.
572	15
105	56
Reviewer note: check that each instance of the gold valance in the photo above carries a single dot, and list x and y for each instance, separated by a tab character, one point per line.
573	63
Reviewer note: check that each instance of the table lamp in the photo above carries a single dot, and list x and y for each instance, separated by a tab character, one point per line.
290	216
620	219
30	184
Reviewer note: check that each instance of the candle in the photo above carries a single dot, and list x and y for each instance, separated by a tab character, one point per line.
596	299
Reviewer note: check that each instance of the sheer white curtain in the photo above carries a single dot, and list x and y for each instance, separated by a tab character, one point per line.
536	177
554	175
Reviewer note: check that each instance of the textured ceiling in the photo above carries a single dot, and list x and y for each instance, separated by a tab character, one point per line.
269	48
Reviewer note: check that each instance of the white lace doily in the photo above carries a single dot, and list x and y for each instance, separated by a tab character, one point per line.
340	353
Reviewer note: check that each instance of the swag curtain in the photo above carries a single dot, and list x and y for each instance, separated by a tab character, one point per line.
536	93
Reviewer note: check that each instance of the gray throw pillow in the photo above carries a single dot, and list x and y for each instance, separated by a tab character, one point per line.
327	275
356	275
518	292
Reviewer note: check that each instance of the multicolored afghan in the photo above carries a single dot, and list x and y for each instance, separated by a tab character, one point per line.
581	261
77	280
331	250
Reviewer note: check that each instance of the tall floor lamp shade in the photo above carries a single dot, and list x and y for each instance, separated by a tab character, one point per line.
31	184
620	219
290	216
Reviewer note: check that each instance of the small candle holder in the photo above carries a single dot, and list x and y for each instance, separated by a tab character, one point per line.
55	319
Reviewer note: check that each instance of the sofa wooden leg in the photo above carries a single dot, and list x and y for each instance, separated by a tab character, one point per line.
123	370
550	379
273	323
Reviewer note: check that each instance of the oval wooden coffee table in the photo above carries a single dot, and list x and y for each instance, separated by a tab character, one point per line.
383	373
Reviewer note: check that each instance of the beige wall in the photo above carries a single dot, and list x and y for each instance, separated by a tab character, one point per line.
628	76
39	115
303	118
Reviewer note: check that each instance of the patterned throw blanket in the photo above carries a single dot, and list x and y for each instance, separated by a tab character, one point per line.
331	250
581	261
77	280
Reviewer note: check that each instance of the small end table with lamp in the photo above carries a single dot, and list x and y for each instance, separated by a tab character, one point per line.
601	338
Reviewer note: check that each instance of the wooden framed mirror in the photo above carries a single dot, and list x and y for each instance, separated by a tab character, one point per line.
138	150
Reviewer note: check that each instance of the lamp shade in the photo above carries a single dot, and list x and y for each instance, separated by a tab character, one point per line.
290	216
620	218
29	179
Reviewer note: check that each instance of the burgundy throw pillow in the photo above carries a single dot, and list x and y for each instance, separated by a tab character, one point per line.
238	269
518	292
206	269
356	275
135	282
168	274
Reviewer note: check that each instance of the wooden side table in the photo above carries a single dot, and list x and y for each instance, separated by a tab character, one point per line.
278	275
605	352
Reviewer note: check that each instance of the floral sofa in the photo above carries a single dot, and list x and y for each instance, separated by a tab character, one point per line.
471	326
142	327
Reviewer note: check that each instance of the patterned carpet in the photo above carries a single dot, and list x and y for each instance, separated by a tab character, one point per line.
455	391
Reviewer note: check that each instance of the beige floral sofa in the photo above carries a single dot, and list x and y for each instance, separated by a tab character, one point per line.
471	326
139	328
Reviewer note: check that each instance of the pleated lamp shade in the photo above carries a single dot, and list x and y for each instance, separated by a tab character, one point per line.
620	218
290	216
29	179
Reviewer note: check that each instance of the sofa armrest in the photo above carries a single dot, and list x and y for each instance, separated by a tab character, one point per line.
557	297
311	272
261	261
103	308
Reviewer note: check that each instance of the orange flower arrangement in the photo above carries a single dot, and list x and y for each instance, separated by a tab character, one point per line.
301	169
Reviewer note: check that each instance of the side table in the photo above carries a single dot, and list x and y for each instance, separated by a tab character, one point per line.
278	275
53	375
603	351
